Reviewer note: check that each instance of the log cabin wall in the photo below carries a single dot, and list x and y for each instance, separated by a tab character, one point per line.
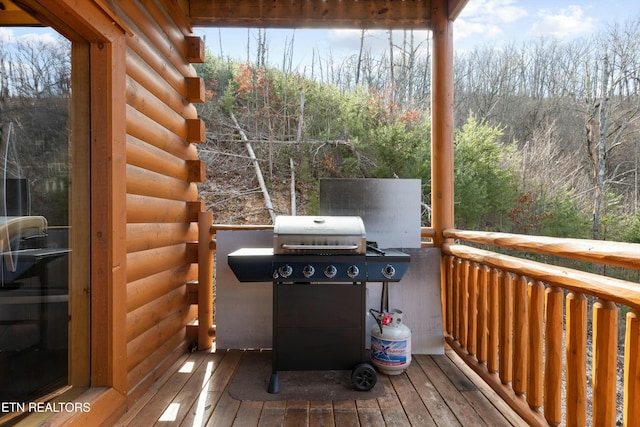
162	170
134	58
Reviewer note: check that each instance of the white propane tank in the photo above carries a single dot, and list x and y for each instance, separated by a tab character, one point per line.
390	343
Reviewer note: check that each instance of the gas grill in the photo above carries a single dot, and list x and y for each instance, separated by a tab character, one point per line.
319	266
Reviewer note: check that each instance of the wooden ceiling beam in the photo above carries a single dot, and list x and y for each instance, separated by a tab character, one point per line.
12	16
390	14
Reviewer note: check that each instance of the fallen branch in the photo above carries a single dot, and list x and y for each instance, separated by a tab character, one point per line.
256	165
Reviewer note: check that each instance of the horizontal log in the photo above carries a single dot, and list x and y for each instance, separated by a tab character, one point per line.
620	291
145	129
146	156
149	315
144	209
144	236
147	263
149	288
154	82
147	183
153	45
598	251
309	14
153	107
174	23
144	345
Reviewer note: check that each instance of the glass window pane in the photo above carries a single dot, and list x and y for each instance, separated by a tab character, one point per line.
34	215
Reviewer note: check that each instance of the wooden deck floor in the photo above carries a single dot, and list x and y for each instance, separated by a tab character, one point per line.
434	391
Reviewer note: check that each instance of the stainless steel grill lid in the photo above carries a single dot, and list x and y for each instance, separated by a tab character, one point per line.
319	235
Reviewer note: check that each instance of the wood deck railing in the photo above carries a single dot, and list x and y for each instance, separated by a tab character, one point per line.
524	326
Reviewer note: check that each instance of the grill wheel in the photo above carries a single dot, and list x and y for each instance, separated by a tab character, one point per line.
363	377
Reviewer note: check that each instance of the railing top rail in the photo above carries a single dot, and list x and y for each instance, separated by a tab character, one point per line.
607	288
599	251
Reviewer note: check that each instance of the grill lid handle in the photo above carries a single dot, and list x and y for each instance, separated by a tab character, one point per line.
316	247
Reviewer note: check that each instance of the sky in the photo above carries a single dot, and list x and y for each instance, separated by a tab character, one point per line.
482	23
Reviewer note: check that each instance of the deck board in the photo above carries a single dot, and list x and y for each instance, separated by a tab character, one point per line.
434	391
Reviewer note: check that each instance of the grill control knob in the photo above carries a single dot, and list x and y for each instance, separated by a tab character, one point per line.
330	271
308	271
285	270
353	271
389	271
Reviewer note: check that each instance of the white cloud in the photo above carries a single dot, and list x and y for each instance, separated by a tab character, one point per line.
484	20
566	22
494	11
6	34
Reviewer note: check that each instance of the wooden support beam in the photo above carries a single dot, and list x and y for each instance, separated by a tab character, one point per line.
441	122
313	14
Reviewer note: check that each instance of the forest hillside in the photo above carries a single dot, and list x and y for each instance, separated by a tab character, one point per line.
546	138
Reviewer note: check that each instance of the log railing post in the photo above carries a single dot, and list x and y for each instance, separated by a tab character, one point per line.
631	407
464	304
493	336
605	356
483	311
553	356
576	350
520	336
472	338
505	360
536	325
205	281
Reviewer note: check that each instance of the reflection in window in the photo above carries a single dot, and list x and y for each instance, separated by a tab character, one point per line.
34	216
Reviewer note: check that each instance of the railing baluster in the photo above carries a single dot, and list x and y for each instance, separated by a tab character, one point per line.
576	352
506	329
520	336
483	312
472	339
449	271
464	304
455	294
631	409
553	356
493	326
605	356
536	324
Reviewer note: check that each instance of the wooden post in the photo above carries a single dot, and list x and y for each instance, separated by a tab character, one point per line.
576	359
483	311
464	304
441	121
536	322
605	355
493	322
631	409
472	338
520	336
506	329
205	281
553	353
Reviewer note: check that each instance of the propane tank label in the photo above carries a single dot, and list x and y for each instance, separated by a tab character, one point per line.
390	352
